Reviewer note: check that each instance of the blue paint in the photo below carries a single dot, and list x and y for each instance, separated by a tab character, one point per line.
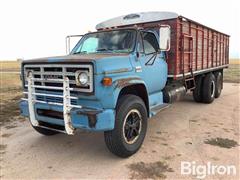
105	98
55	59
155	99
105	119
23	105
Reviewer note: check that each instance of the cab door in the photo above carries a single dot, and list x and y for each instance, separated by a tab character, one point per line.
154	66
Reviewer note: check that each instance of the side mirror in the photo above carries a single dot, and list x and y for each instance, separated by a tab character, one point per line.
70	41
164	37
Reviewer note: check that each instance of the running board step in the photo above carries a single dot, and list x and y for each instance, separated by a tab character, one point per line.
159	108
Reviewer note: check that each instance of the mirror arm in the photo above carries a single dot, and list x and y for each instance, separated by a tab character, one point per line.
137	54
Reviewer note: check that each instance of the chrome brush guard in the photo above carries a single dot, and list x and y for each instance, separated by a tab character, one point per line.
67	106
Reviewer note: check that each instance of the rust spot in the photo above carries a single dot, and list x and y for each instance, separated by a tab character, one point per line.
125	82
92	117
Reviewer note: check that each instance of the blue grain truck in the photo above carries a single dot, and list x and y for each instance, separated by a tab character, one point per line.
118	77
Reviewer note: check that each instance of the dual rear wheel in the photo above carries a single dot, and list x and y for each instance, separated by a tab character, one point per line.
208	87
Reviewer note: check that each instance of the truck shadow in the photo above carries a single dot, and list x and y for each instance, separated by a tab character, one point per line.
80	146
84	144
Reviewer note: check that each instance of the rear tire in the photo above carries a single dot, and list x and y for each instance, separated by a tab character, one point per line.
197	92
219	84
209	88
130	127
45	132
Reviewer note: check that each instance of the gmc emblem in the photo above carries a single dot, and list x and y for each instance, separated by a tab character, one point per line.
52	77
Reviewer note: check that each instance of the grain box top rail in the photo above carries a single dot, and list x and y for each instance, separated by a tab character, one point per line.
144	17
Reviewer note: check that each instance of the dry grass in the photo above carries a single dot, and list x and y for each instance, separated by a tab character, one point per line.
13	66
232	73
10	91
234	61
10	86
9	81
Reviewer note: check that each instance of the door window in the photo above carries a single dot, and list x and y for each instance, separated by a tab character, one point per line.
150	42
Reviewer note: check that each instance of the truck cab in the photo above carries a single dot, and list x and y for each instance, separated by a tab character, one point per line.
113	80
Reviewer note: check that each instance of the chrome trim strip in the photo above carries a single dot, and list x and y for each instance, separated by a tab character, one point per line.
117	71
50	95
52	103
47	87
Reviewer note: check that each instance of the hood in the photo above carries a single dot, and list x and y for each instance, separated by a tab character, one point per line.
73	58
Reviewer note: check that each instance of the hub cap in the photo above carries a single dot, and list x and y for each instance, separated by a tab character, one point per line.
132	126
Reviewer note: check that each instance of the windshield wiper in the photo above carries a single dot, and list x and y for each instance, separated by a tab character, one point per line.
104	49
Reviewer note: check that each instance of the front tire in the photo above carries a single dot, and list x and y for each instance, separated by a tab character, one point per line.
130	127
209	88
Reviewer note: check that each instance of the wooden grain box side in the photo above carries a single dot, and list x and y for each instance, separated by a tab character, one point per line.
199	48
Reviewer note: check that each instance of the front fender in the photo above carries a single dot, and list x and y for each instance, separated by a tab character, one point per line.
109	94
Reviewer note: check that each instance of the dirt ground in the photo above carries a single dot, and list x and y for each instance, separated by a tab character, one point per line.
187	131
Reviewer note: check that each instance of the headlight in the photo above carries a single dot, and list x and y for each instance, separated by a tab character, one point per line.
81	78
29	74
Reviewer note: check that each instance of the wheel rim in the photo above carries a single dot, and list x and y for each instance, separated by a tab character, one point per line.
132	126
212	88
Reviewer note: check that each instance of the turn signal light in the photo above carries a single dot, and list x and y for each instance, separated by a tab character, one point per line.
107	81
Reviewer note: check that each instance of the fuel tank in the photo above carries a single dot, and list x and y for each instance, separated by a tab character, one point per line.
172	93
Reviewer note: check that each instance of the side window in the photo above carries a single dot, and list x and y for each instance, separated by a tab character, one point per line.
150	42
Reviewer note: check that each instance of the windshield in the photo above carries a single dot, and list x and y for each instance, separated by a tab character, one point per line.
116	41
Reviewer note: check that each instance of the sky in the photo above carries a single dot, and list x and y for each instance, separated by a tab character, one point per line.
37	28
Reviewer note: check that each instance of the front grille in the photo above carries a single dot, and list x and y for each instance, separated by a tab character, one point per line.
44	75
54	99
